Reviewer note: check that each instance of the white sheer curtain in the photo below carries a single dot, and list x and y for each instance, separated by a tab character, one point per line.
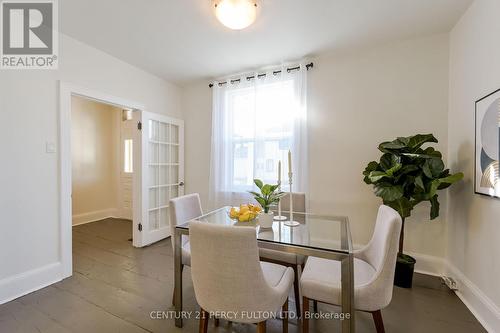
254	124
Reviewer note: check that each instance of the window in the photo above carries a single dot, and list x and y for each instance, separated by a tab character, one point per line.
262	132
254	124
128	157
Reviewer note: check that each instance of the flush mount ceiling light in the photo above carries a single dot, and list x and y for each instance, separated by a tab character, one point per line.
236	14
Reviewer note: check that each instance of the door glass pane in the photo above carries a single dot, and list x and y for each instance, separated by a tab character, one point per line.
153	198
153	175
164	154
164	176
175	134
153	152
153	220
164	195
163	217
164	133
174	174
174	154
153	130
174	191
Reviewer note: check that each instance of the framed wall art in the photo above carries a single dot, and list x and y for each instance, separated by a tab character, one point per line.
487	152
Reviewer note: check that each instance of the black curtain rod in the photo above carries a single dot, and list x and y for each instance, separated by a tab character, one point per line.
308	66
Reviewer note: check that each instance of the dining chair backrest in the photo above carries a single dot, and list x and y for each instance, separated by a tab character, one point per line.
381	253
299	202
183	209
225	268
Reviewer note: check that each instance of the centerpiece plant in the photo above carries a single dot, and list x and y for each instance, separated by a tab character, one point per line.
406	175
267	197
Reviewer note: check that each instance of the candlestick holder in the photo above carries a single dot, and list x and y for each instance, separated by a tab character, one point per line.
279	217
291	222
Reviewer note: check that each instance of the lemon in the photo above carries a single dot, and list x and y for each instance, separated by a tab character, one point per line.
234	213
245	217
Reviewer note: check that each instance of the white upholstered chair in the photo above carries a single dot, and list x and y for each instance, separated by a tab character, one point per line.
230	281
298	201
289	259
374	267
183	209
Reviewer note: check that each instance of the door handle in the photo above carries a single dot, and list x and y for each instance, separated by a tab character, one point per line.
181	184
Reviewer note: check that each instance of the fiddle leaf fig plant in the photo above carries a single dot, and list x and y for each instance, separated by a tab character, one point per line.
408	174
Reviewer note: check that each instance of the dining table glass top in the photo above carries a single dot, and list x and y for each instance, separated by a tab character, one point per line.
321	232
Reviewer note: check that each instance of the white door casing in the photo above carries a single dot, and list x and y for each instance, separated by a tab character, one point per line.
66	90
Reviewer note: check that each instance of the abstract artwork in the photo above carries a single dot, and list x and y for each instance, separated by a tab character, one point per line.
487	173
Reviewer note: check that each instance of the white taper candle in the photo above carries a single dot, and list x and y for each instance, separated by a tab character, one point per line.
279	172
289	161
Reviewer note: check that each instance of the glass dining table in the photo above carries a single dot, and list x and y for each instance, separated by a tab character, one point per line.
321	236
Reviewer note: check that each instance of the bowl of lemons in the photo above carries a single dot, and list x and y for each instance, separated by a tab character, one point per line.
245	213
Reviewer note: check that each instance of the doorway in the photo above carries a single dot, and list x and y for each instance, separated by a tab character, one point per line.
102	161
152	149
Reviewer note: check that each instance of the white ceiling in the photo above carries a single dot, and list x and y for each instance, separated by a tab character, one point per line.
181	40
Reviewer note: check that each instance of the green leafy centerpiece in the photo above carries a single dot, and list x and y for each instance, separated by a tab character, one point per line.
406	175
268	196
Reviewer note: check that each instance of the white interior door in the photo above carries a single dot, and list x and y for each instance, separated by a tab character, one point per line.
162	174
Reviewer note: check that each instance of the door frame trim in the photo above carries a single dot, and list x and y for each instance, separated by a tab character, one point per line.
66	91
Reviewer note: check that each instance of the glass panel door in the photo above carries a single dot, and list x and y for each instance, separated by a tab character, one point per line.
163	169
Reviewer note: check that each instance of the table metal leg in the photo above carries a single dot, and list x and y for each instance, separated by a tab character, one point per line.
178	278
347	275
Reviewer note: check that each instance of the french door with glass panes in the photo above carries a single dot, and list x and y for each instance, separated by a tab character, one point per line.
162	174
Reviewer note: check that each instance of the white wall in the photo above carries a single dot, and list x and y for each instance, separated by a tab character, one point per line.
356	100
474	228
95	160
29	176
197	108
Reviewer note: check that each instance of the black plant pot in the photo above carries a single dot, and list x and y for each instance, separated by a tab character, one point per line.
405	265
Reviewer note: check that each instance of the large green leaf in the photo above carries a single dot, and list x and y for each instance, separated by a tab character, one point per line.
274	188
266	189
389	147
434	207
432	189
433	167
416	141
388	191
258	182
405	170
419	182
375	176
372	166
262	202
449	180
255	194
388	161
429	151
402	205
393	170
418	155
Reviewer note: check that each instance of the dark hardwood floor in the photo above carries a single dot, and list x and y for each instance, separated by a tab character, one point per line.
115	287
